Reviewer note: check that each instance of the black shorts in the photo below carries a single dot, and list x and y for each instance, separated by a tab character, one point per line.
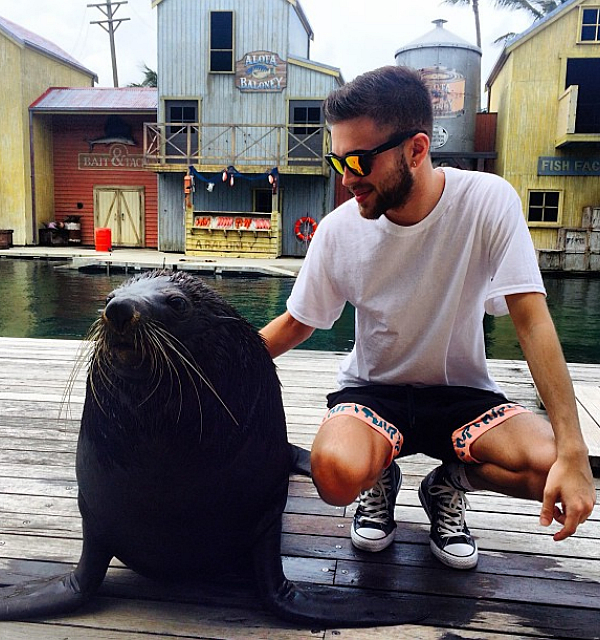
439	421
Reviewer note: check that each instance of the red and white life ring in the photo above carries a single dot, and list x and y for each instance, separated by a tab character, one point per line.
305	228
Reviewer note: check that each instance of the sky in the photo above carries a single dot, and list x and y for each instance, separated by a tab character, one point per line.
352	35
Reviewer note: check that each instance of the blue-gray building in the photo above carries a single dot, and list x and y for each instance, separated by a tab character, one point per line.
240	112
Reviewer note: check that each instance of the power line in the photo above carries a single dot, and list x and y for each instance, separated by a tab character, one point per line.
110	25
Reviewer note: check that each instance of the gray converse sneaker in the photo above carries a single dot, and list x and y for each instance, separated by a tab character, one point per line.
445	505
373	525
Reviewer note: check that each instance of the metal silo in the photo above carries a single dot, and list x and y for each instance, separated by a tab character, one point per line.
451	68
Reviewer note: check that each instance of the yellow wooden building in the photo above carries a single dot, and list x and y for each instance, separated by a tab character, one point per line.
30	65
545	89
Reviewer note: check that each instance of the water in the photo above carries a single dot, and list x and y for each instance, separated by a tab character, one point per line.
42	301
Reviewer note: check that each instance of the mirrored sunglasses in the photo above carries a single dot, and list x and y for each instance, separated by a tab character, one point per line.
359	162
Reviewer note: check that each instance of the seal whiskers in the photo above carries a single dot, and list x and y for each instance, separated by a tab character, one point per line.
156	345
81	358
166	362
193	367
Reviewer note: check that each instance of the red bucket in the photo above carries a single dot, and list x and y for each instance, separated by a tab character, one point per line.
103	240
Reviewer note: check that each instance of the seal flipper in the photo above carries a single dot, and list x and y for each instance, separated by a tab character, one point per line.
300	460
37	598
58	595
325	606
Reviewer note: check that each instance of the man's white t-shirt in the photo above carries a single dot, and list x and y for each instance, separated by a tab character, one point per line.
420	291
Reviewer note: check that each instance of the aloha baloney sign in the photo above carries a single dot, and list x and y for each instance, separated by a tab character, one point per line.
260	71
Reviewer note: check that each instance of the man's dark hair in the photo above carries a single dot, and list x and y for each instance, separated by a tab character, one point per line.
391	96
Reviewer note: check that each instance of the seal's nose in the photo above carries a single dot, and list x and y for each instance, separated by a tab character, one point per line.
120	312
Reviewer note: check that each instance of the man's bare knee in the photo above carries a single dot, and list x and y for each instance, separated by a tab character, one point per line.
347	457
339	479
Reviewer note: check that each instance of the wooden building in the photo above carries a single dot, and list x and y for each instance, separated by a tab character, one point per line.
89	163
240	112
545	89
30	64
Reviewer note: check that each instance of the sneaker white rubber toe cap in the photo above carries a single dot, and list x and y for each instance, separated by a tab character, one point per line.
456	555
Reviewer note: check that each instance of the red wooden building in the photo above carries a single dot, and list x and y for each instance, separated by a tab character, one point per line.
88	163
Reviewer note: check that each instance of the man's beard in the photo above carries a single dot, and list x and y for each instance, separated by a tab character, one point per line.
392	194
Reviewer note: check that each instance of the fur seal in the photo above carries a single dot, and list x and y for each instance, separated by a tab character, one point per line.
183	460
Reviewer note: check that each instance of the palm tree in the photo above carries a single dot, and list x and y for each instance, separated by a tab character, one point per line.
475	6
537	8
150	78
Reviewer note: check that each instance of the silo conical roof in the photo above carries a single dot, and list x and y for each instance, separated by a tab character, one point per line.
439	37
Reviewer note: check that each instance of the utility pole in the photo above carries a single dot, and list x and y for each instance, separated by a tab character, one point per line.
109	9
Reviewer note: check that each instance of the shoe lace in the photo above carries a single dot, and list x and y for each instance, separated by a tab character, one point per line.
374	504
452	505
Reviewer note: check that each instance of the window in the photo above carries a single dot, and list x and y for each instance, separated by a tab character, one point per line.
181	114
306	115
182	132
221	42
305	140
585	73
590	25
263	200
543	206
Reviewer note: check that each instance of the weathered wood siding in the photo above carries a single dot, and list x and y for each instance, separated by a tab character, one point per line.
14	177
234	243
73	185
309	81
302	198
183	45
171	213
298	43
43	168
26	74
298	197
183	31
525	96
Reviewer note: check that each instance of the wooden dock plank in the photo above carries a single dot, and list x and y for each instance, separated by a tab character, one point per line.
588	405
525	586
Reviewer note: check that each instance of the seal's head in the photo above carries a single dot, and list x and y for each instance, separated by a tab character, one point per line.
164	330
164	310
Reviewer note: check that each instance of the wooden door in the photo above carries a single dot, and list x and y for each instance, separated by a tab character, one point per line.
121	209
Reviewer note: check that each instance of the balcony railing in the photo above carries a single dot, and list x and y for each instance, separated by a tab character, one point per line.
299	148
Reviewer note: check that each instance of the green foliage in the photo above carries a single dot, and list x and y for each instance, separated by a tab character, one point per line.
150	78
536	8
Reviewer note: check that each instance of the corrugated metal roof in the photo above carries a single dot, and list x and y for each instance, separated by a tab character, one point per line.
30	39
97	99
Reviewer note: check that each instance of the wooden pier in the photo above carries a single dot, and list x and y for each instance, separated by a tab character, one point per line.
525	586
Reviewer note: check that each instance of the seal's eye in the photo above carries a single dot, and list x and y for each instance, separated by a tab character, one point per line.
109	298
178	303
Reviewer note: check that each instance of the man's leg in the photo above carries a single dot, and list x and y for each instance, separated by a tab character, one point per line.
518	458
349	459
514	457
510	455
